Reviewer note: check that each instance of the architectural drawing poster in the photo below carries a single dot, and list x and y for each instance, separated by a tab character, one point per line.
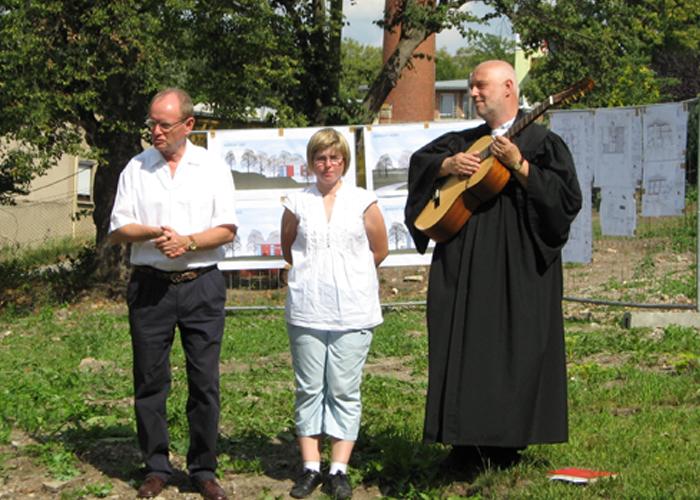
388	149
618	211
665	129
618	143
266	163
576	129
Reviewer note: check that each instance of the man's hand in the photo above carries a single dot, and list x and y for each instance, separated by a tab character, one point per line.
462	165
506	152
171	244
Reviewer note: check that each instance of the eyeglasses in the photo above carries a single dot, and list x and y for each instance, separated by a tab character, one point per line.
332	160
164	126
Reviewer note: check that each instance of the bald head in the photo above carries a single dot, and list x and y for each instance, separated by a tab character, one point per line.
494	88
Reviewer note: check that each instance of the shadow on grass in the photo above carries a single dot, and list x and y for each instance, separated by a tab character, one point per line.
403	468
277	457
399	466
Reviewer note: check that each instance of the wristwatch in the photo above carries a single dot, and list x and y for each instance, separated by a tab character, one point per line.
193	244
519	165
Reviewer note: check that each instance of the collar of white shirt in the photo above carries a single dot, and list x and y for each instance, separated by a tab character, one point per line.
156	158
503	128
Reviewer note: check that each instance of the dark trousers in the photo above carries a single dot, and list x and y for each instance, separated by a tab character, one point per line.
197	308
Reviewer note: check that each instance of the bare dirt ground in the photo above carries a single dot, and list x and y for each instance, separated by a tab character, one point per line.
615	264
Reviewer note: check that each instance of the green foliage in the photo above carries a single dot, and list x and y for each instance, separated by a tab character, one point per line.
48	252
255	59
619	44
684	285
77	67
98	490
483	48
61	463
52	274
360	65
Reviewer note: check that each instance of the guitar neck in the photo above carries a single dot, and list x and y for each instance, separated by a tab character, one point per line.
519	125
526	120
578	89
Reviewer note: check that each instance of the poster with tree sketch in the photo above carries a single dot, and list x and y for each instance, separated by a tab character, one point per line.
388	149
266	162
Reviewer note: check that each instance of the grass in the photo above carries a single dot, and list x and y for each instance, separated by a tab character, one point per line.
634	407
49	252
66	397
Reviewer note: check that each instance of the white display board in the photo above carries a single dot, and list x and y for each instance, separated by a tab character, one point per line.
266	164
618	148
387	150
665	130
576	128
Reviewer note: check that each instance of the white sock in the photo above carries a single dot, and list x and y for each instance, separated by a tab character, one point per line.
314	466
338	467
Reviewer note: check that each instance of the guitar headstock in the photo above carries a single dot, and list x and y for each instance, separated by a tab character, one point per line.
577	90
573	92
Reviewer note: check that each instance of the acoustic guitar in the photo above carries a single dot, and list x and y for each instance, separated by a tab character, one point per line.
455	198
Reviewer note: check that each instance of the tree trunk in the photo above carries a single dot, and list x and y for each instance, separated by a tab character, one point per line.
391	71
112	260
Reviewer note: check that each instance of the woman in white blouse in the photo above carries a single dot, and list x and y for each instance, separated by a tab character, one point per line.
333	235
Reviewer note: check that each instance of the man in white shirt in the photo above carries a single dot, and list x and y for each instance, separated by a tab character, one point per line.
175	205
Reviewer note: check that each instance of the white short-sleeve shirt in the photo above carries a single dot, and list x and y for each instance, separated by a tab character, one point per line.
199	196
332	284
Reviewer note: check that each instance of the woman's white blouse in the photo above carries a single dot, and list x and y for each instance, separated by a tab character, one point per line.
332	284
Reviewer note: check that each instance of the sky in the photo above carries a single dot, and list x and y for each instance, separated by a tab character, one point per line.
360	14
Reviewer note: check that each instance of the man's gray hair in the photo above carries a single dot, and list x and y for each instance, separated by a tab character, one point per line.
186	106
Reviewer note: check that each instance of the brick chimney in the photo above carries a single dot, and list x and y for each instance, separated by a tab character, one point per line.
413	98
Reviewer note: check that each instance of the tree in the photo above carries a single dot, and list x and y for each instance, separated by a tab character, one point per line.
677	56
312	31
244	55
447	67
483	48
416	20
360	64
80	73
620	44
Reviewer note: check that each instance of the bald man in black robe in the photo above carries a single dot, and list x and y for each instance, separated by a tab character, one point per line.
497	368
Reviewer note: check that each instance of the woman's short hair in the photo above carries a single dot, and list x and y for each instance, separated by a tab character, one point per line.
324	139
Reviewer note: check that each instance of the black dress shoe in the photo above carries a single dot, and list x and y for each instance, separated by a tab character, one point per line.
501	457
210	489
461	458
151	487
338	486
306	483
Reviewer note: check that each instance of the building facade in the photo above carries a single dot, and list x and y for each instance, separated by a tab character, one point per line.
59	205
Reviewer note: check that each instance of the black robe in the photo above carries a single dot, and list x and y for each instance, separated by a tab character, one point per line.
497	368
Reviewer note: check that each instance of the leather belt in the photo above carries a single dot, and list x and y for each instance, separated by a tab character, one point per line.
174	276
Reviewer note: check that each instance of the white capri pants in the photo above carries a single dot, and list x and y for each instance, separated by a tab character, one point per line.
328	372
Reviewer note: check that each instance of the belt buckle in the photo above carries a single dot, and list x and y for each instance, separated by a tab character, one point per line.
183	276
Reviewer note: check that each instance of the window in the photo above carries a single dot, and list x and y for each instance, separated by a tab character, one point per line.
468	107
447	105
84	181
